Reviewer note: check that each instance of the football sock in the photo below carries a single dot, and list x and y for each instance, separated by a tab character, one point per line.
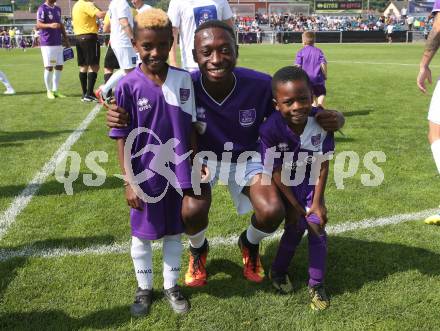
113	80
141	254
317	258
48	79
56	80
172	252
435	148
91	80
197	240
254	236
83	81
286	250
5	80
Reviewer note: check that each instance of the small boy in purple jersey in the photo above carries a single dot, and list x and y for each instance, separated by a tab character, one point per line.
312	60
295	146
160	101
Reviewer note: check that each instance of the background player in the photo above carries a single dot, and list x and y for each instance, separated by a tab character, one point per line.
186	17
295	128
9	89
431	47
312	60
161	86
51	30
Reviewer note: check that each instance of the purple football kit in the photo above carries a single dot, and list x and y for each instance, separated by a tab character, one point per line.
276	135
162	118
232	125
47	14
436	7
310	59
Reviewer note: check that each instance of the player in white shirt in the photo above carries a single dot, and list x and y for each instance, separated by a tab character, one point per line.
186	16
5	81
121	35
140	5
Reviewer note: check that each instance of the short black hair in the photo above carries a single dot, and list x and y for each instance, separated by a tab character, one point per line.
288	74
216	24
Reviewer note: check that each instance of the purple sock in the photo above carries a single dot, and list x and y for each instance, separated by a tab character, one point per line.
317	258
286	249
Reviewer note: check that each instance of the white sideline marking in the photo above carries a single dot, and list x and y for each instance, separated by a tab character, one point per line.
21	201
29	251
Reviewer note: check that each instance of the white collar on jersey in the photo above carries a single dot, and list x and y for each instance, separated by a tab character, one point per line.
226	98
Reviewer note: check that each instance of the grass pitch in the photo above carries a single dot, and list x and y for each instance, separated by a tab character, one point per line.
381	278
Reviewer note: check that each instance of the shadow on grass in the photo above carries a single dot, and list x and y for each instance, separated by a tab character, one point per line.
364	112
13	136
56	188
11	145
352	263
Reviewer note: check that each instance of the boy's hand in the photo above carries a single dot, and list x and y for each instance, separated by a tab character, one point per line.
321	211
330	120
132	200
117	117
204	174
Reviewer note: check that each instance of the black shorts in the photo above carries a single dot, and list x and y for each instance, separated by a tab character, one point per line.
110	60
88	49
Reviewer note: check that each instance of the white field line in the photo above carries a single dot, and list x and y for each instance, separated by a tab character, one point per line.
29	251
20	202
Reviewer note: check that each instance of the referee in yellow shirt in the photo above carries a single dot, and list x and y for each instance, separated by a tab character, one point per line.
84	15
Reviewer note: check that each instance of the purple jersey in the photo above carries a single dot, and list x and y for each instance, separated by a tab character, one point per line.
47	14
436	7
167	111
238	117
275	133
310	59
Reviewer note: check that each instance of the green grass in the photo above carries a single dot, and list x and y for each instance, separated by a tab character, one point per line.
382	278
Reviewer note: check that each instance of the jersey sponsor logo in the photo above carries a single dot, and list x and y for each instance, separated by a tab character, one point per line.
247	117
143	104
316	140
204	14
283	147
184	95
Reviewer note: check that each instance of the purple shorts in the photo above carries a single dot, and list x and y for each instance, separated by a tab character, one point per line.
156	220
305	197
319	90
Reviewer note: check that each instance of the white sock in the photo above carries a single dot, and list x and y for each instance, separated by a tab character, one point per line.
254	236
5	80
435	148
48	79
113	80
197	240
141	254
172	253
56	80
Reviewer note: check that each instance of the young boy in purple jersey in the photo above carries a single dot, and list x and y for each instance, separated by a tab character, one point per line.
160	101
295	146
312	60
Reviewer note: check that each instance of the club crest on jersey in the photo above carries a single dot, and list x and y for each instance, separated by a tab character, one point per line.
143	104
184	95
316	140
50	15
247	117
283	147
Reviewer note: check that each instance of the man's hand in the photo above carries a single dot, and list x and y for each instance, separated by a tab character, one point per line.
55	25
205	174
321	211
117	117
424	74
330	120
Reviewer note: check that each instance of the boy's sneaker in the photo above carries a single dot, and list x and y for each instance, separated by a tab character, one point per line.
433	220
50	95
142	302
9	91
58	94
176	300
318	297
281	282
252	267
196	275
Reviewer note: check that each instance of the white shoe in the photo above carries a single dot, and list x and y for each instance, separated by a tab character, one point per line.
9	91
